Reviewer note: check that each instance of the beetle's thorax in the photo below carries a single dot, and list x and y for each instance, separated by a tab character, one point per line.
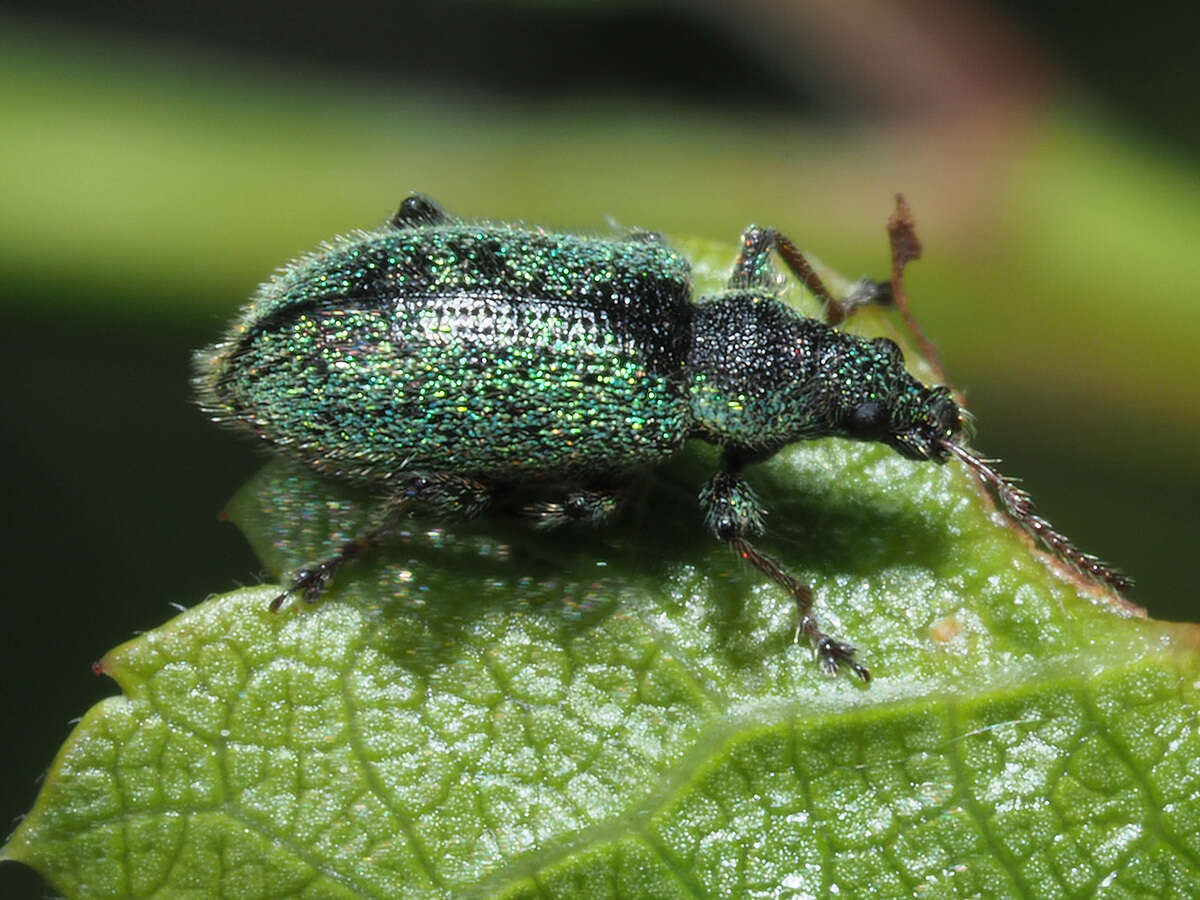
751	365
763	376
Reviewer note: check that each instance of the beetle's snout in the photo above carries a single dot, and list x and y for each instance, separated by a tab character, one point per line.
940	423
947	423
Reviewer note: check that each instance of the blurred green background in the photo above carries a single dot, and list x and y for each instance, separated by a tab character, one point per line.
157	162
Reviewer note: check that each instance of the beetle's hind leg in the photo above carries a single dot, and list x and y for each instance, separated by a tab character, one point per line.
753	269
310	581
731	511
436	496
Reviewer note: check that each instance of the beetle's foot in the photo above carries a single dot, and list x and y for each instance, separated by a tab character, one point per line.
309	583
831	655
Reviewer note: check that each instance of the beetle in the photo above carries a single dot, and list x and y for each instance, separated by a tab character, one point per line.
449	365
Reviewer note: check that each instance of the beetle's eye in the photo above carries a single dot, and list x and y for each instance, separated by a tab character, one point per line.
869	419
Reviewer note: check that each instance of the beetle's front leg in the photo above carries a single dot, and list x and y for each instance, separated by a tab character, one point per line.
438	496
731	511
753	269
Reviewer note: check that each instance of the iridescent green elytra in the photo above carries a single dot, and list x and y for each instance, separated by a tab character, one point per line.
494	355
443	364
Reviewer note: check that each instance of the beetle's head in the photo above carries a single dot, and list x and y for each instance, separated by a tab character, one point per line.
936	421
894	408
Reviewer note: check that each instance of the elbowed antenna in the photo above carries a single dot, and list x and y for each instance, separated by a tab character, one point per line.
1019	507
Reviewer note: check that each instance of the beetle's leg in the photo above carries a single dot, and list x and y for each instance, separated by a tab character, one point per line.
417	210
862	293
309	581
594	506
435	496
753	269
731	511
439	496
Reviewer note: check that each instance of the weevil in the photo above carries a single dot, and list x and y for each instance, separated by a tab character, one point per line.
449	366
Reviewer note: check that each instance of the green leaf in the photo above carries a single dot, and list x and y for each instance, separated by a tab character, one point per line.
483	711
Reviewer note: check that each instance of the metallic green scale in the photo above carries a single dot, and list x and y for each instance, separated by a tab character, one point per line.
496	353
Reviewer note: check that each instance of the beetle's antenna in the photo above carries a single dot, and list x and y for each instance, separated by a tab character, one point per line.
906	247
1019	506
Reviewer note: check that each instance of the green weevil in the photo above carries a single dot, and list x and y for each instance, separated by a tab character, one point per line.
449	366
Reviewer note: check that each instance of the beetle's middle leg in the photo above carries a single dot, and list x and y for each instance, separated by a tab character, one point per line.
753	269
437	496
732	511
590	506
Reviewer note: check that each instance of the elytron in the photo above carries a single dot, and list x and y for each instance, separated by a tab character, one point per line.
452	366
